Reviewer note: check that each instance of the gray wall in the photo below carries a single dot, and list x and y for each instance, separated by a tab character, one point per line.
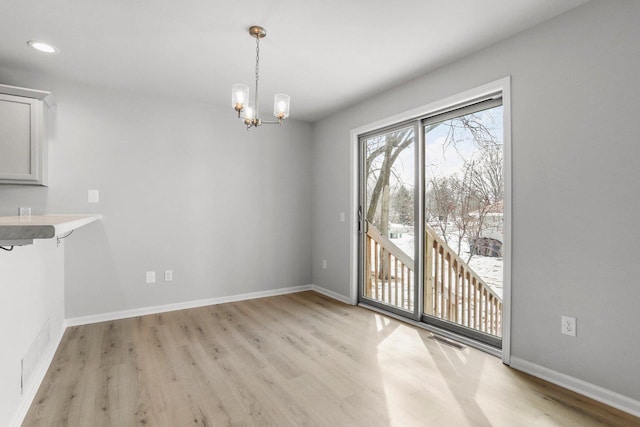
182	186
576	238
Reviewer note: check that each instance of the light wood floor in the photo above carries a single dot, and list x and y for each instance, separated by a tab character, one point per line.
293	360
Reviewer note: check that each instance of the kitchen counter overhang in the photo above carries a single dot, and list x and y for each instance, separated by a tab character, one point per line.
22	230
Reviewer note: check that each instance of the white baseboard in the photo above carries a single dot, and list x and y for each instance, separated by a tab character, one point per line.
331	294
115	315
30	393
584	388
124	314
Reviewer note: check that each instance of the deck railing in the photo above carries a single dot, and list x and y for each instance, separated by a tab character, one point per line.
453	291
390	277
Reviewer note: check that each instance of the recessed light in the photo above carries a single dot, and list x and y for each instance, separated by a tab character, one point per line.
42	46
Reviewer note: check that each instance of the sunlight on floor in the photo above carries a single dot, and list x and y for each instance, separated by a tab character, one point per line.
381	322
407	361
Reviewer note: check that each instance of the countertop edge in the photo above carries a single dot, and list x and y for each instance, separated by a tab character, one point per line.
69	226
42	226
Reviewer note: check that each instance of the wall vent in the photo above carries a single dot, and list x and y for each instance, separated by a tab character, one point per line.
33	358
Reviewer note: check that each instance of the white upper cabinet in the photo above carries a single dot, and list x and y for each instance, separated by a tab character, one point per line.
23	135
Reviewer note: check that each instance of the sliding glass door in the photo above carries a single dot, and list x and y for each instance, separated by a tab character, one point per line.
432	219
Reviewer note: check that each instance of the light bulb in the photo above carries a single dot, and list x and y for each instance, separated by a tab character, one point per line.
281	106
249	113
239	96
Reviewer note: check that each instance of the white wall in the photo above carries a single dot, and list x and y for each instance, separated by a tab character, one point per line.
576	238
31	293
183	186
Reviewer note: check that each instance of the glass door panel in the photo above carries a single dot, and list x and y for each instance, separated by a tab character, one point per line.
388	210
464	219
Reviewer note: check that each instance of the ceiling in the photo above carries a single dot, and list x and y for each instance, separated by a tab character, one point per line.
325	54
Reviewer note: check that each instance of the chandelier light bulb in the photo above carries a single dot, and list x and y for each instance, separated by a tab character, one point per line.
281	106
239	96
249	113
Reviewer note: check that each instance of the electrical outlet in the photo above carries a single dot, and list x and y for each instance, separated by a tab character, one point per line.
24	211
151	277
569	325
324	264
168	275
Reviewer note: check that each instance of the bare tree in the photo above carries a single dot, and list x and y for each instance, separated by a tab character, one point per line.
471	125
453	202
441	204
382	153
486	177
487	174
459	203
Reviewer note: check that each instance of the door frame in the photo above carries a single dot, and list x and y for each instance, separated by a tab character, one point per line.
502	86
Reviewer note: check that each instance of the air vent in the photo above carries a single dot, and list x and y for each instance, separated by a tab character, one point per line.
447	341
33	358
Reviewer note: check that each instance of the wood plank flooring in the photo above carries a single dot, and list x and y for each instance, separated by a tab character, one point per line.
292	360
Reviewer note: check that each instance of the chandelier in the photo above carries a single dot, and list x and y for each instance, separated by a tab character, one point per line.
249	110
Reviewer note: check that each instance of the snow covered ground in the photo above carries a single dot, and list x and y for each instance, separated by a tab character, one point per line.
488	268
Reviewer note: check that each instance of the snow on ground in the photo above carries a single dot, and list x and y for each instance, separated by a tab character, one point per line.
488	268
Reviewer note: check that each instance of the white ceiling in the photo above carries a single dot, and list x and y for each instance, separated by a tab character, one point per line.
325	54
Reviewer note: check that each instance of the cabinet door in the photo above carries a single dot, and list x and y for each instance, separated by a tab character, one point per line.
20	139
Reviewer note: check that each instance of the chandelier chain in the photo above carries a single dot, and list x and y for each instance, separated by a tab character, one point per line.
257	73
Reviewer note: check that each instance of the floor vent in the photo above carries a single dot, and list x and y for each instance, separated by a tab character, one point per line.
448	342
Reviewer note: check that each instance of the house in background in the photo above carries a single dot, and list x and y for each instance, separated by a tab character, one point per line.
236	214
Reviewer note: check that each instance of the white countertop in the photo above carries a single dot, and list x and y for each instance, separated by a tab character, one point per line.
27	228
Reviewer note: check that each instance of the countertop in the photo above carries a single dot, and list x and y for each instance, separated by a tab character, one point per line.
16	229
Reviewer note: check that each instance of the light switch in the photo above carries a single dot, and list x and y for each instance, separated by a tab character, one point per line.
94	196
341	216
